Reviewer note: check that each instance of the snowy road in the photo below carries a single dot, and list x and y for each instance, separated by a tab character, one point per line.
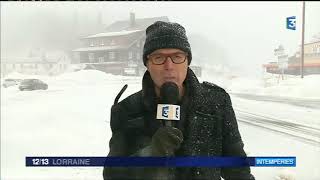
303	133
263	142
278	129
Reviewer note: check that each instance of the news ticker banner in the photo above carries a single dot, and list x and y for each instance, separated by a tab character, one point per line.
162	161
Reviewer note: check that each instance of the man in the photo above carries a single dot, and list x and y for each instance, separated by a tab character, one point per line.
207	125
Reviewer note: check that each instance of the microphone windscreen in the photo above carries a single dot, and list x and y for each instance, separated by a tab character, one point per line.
169	93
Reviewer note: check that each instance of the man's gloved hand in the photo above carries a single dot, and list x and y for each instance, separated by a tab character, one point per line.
166	141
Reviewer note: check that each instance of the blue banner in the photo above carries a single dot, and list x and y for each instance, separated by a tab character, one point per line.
163	161
275	161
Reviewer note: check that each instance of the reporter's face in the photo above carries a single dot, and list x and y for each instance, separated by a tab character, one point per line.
168	71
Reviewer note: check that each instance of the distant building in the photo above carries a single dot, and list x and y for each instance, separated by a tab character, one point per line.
311	61
47	64
119	49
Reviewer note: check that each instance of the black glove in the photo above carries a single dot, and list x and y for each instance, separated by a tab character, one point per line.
166	141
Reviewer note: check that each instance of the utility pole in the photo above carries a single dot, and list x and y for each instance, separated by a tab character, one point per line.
302	40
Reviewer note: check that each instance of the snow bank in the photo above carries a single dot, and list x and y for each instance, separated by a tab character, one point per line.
270	85
71	118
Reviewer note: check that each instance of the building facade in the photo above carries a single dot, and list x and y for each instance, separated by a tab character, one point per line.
311	62
37	65
119	49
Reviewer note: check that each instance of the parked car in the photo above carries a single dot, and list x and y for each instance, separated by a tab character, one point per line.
129	71
32	84
11	82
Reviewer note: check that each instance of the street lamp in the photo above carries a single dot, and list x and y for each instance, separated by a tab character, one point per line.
302	39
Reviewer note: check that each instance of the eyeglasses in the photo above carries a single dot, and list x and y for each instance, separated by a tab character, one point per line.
159	59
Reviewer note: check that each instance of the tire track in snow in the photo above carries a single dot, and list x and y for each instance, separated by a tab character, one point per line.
306	134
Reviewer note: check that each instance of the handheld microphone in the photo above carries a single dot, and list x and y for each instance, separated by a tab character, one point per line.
168	111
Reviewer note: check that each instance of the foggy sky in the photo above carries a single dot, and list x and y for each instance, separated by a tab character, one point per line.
241	34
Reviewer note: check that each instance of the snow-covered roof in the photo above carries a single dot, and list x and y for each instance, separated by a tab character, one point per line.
140	23
312	42
21	59
100	48
39	56
108	34
32	60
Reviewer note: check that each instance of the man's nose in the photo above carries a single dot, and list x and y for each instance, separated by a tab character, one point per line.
168	64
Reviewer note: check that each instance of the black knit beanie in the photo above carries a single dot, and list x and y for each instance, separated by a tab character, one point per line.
161	35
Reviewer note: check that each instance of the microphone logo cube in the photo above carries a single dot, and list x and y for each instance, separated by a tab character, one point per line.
178	112
165	111
168	112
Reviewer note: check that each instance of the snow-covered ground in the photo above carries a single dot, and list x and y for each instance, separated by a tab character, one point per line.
71	118
263	142
269	84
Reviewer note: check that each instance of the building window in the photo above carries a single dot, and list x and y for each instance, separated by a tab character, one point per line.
102	42
138	55
112	55
101	59
130	54
91	43
91	57
112	42
314	49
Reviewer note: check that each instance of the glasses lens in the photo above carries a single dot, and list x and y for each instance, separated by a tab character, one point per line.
158	59
176	58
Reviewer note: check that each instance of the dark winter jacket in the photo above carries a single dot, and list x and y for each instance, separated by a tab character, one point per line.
207	121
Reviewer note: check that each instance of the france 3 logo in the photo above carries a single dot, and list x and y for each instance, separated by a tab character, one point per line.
291	22
168	112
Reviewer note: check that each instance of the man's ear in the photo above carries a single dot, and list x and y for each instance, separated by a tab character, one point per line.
147	65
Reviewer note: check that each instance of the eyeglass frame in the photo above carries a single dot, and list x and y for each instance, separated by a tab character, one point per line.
166	57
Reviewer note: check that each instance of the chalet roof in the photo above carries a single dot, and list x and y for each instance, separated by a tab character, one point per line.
314	42
108	34
34	60
50	58
122	28
140	24
100	48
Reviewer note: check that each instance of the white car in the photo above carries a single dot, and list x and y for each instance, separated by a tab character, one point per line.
129	71
11	82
